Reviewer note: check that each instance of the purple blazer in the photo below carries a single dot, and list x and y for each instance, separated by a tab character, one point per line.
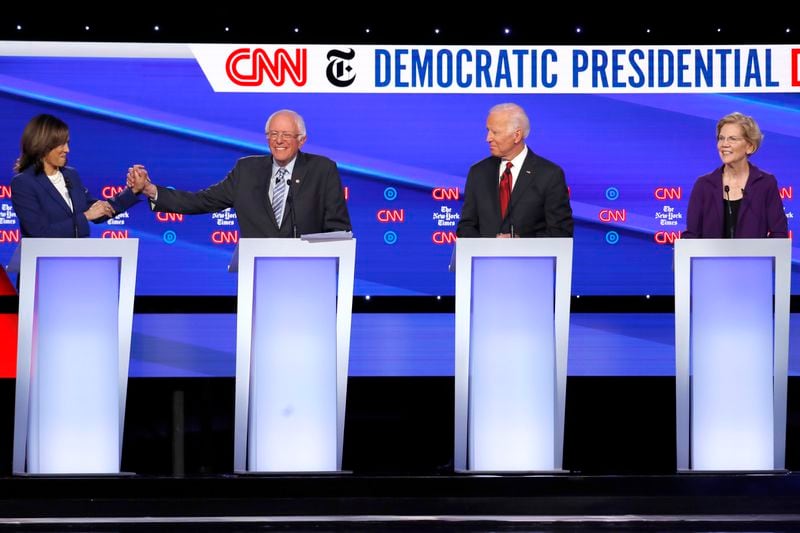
760	213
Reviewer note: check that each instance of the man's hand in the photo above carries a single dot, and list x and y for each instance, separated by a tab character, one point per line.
139	181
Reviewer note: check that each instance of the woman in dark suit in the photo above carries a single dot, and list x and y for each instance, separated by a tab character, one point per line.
48	196
737	200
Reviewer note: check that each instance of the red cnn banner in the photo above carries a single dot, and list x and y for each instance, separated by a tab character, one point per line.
169	217
247	67
795	67
109	191
9	235
667	237
391	215
668	193
443	237
225	237
445	193
612	215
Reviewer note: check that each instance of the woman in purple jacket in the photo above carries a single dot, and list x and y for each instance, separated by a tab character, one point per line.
737	200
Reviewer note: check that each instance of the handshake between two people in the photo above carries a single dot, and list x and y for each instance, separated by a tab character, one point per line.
138	181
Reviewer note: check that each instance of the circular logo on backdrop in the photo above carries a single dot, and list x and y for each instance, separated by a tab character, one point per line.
390	193
390	237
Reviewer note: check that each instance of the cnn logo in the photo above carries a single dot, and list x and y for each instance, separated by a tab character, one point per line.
248	67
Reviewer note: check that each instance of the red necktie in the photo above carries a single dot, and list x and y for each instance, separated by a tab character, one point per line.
505	189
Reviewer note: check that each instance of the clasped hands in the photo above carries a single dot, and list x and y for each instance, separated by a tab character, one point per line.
139	181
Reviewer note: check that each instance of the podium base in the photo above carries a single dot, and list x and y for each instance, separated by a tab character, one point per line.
303	473
88	475
777	472
505	473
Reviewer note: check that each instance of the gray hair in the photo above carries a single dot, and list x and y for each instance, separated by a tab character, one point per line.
517	117
298	120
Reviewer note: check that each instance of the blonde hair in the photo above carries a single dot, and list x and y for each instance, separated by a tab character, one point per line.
752	133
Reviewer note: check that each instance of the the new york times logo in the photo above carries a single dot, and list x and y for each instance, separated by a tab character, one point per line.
339	71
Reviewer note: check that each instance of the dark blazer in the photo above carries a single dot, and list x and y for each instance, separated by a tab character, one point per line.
316	190
43	212
539	205
760	213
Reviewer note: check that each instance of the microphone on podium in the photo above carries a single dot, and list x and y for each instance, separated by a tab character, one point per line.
68	185
290	207
730	210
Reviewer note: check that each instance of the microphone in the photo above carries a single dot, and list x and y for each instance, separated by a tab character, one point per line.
730	211
290	207
509	215
68	185
510	220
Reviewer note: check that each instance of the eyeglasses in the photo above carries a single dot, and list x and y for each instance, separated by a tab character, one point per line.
731	139
280	135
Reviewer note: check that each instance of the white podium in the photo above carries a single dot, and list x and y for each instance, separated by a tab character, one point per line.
292	347
75	320
731	353
512	333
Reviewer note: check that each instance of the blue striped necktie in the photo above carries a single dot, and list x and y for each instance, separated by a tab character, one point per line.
279	194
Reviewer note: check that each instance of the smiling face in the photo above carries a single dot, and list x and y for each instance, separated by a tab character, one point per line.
55	158
732	145
284	138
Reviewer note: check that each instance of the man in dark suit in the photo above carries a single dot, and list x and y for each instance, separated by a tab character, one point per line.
514	192
304	190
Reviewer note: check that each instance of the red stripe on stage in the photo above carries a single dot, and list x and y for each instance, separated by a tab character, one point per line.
8	345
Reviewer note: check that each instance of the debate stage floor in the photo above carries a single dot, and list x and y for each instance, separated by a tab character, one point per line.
455	502
619	450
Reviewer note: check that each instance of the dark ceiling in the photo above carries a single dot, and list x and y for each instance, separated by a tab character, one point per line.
408	23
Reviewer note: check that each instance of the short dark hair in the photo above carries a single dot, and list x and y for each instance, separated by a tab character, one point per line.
41	134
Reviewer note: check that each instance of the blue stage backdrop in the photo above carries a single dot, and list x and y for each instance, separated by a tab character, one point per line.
630	160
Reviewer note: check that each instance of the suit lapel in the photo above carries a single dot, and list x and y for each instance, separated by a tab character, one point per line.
718	206
745	205
262	190
524	178
493	186
298	174
48	186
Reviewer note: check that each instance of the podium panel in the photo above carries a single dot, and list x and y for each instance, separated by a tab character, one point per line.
512	330
731	353
75	321
293	340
